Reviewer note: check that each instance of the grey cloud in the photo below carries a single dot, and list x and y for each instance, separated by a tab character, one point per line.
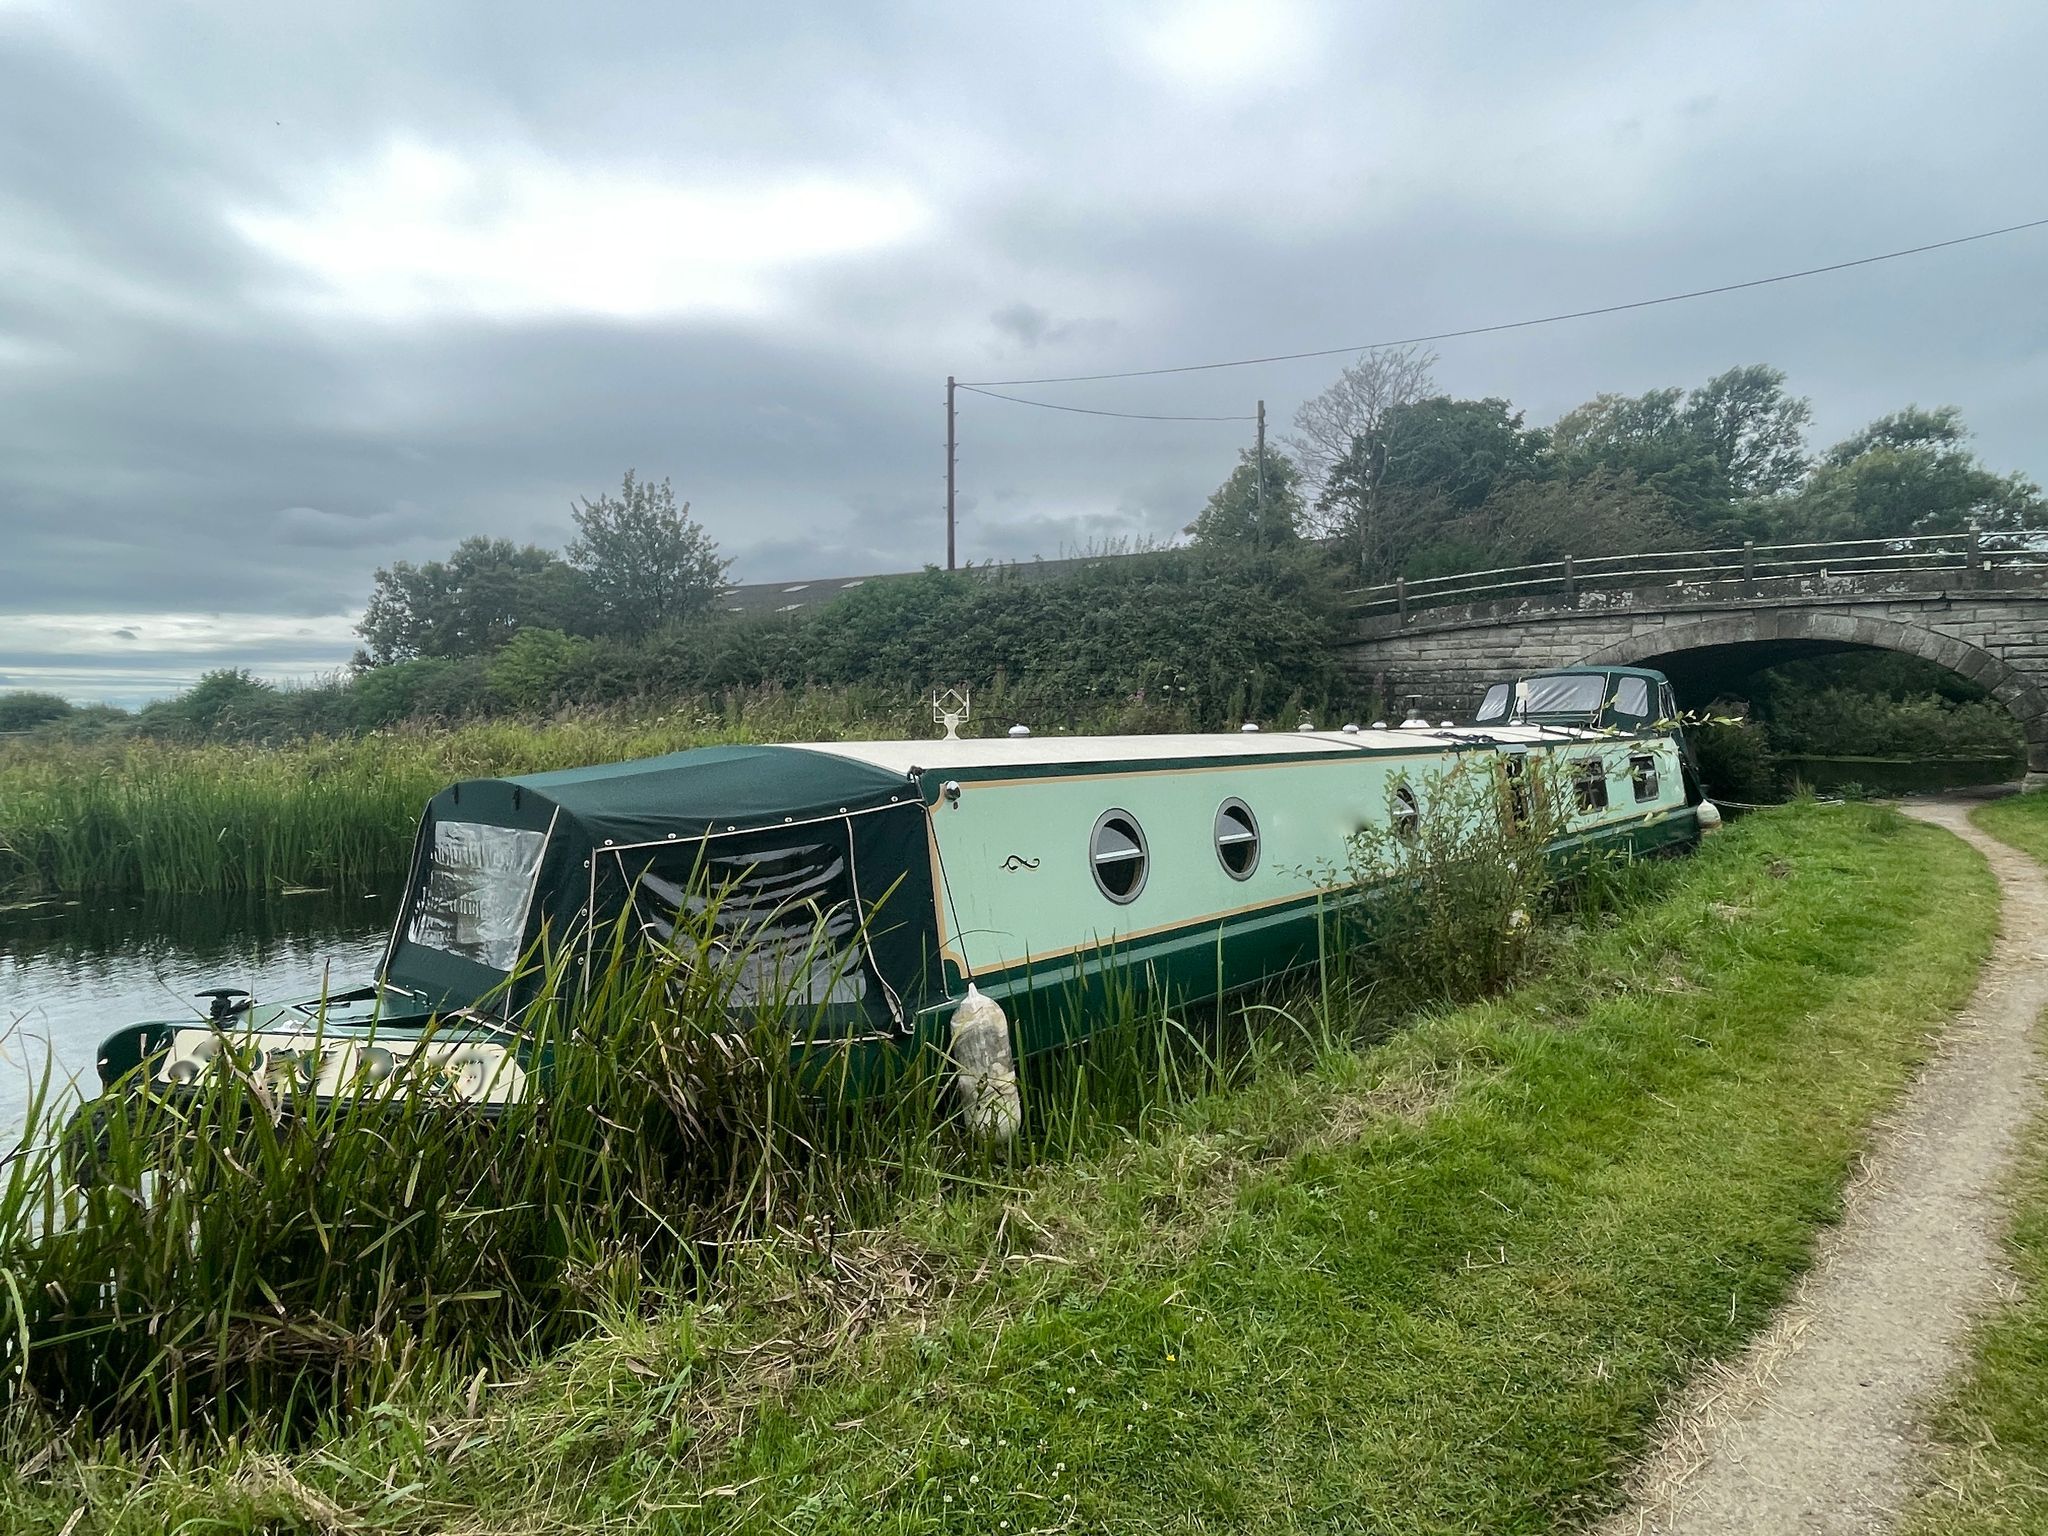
1033	327
180	430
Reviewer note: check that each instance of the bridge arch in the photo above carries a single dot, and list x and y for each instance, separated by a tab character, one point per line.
1753	639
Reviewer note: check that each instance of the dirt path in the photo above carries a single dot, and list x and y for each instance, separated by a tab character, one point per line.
1816	1427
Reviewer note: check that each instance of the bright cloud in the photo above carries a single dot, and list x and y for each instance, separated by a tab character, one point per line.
1226	45
422	231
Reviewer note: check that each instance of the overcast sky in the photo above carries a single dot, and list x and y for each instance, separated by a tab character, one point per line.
290	291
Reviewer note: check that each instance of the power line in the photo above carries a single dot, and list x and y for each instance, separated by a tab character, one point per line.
1082	410
1487	330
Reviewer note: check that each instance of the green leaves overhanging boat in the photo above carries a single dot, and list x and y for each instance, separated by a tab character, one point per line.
895	890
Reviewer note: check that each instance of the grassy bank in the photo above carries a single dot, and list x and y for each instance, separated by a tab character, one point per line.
1992	1479
1443	1282
131	814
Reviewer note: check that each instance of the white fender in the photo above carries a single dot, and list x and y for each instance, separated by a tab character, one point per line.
986	1067
1709	815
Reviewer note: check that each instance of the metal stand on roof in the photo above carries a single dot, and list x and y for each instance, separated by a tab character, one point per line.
951	709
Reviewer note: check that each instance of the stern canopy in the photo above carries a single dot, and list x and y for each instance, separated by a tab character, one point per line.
813	868
1612	698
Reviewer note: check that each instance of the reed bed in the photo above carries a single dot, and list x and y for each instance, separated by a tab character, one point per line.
133	814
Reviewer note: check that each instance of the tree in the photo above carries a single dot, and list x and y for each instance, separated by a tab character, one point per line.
1241	511
1459	450
1343	448
1737	438
1756	432
1645	436
1605	512
1906	473
648	564
469	604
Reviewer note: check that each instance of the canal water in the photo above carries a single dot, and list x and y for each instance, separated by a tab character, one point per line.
72	972
1897	775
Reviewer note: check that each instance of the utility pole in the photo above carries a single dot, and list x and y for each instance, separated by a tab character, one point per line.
1262	465
952	471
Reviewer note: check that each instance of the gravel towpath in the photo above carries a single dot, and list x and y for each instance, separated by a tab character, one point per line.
1817	1428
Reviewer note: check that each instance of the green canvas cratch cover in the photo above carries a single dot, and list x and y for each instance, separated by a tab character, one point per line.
777	846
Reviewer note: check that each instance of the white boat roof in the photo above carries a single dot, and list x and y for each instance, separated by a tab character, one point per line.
983	752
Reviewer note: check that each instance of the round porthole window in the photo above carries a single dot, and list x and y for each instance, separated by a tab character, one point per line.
1116	853
1406	814
1237	839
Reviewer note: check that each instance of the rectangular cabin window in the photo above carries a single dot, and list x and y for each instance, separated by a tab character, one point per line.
1589	786
1642	773
779	911
1495	705
1632	697
479	883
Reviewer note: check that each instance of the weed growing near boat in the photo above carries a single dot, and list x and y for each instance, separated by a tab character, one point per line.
1459	873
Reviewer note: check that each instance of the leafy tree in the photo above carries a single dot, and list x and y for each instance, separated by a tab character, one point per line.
25	711
648	564
1757	432
1257	508
1646	436
1710	453
1907	473
1603	512
385	695
1460	450
469	604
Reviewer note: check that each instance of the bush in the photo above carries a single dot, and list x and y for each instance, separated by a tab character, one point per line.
27	711
1458	875
1735	760
530	670
1171	640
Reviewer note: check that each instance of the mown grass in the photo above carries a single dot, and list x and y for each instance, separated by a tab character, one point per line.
136	814
1440	1283
1992	1478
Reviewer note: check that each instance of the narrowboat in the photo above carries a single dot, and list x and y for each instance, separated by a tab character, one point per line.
893	886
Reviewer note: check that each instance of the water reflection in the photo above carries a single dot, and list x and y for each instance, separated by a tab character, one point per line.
71	973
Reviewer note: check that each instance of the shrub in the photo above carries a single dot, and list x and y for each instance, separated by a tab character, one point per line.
1735	760
27	711
1458	875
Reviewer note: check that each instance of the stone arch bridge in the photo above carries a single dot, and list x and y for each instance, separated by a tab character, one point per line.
1977	605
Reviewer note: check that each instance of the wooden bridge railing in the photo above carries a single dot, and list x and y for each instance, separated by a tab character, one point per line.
1737	571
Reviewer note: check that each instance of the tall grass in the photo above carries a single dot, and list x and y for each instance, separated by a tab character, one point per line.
135	814
246	1260
130	813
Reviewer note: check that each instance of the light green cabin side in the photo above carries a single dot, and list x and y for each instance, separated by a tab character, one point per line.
1016	880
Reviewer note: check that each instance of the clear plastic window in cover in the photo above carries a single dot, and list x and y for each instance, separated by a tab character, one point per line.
478	886
1576	694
